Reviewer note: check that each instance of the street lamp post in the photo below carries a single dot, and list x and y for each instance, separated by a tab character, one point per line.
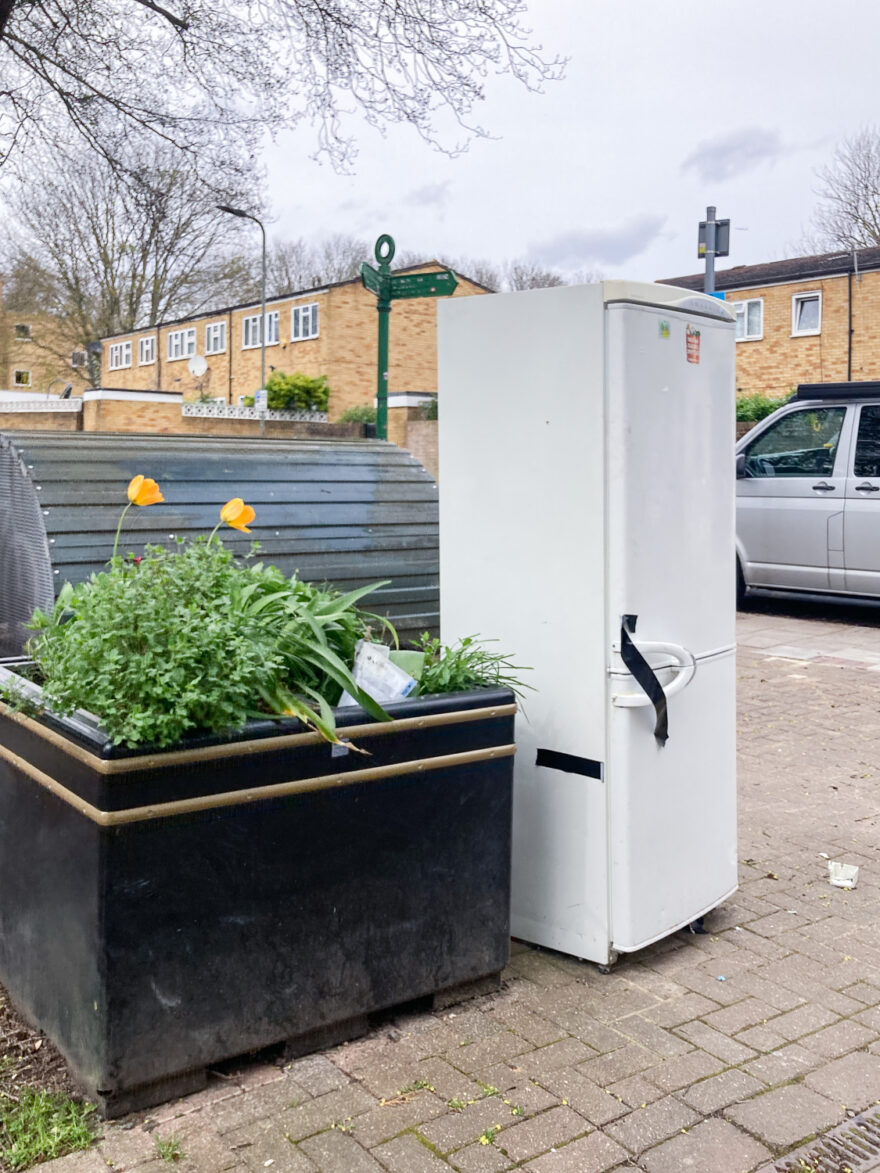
247	216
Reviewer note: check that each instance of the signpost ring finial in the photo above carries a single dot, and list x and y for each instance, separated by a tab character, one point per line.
384	251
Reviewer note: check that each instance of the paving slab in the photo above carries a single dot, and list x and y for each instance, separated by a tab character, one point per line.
647	1126
853	1081
714	1145
592	1154
787	1116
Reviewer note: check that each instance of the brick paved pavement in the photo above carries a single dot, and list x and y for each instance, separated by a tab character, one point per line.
706	1053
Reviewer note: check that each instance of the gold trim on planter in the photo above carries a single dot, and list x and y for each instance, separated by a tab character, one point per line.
254	745
164	810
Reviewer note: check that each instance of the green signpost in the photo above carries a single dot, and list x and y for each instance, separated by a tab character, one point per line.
387	288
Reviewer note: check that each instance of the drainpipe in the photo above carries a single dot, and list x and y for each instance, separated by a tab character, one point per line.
849	349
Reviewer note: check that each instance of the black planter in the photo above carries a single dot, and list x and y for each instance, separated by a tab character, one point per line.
160	912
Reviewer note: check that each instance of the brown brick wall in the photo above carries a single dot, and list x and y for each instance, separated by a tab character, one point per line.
345	349
421	441
775	364
40	421
399	419
108	415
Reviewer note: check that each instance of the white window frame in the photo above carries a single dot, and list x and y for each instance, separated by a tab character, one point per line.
181	344
22	332
250	330
807	295
311	313
147	351
744	305
16	382
119	356
215	331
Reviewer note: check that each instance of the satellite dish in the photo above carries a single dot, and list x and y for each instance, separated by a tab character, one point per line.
198	364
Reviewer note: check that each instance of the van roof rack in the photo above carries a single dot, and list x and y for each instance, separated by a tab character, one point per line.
867	390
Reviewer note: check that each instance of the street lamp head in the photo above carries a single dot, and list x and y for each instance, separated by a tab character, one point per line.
233	211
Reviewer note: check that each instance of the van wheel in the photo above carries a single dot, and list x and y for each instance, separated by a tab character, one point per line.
740	587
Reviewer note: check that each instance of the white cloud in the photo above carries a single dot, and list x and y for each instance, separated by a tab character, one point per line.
733	154
577	248
431	195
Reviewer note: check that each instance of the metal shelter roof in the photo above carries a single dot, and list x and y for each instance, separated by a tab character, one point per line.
342	512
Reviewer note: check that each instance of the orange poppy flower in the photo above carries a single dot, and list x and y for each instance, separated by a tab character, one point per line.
144	491
237	515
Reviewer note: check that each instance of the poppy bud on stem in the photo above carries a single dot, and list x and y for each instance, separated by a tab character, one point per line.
237	515
141	491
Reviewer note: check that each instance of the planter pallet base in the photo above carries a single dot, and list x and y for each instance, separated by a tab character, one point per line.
162	912
112	1105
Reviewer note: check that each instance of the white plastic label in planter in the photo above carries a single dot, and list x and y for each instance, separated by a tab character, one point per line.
376	675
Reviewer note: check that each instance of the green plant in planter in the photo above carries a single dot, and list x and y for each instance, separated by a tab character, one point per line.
467	664
188	639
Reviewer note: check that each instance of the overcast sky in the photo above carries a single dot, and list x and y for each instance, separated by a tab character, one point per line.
664	108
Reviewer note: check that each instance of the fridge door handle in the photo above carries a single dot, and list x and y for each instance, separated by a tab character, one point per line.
685	668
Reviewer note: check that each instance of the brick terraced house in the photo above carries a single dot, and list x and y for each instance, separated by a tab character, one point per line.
804	320
36	356
329	330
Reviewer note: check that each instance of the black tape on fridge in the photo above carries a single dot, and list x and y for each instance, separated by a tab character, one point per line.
645	677
569	763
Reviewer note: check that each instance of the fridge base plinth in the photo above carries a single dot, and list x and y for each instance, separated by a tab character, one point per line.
676	928
604	954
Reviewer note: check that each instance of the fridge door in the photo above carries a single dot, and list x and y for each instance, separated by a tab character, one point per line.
670	475
672	808
670	569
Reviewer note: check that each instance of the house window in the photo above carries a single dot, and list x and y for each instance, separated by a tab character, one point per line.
181	343
78	358
22	332
22	378
120	356
806	314
250	335
146	351
304	322
749	319
215	338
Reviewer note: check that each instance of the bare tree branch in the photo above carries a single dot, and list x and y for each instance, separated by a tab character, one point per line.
212	77
169	16
6	7
848	215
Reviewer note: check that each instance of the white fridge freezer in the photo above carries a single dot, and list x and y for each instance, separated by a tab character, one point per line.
586	448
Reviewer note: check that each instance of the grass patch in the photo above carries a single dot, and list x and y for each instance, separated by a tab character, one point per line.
39	1126
169	1150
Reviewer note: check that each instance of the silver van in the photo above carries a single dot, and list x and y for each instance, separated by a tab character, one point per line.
808	494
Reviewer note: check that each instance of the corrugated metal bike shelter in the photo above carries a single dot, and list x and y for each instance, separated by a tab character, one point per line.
341	512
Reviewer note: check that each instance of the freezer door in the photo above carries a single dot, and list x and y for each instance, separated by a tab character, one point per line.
672	808
670	476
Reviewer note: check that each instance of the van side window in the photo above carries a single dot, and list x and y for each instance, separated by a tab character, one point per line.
867	462
801	444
